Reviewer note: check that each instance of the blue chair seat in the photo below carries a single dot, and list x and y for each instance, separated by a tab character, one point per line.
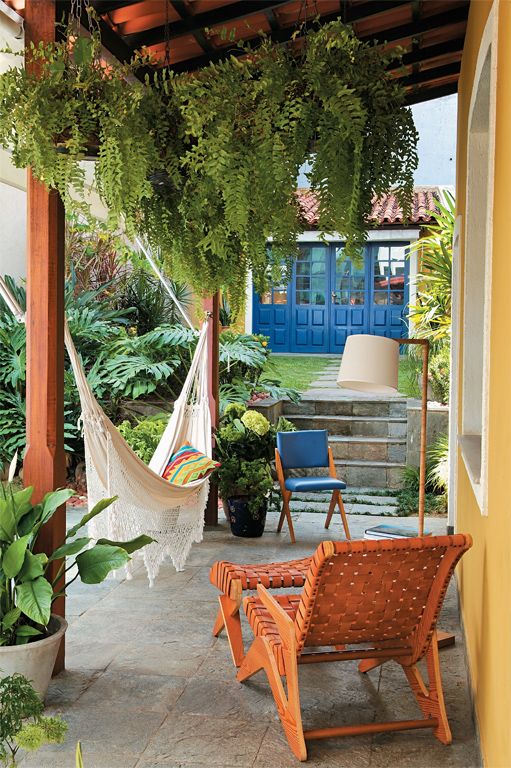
314	484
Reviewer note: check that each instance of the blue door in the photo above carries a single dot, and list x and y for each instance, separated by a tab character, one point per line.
332	297
349	297
309	307
389	290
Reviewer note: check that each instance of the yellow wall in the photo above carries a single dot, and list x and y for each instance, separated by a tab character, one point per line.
485	574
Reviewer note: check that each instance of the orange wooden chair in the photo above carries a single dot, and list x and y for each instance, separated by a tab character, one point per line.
383	593
307	449
232	579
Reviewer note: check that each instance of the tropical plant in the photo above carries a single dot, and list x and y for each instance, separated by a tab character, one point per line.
22	723
226	316
144	436
245	446
246	478
149	302
408	494
438	475
95	256
439	373
205	166
431	314
27	592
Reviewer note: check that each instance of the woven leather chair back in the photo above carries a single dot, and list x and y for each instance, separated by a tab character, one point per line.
386	592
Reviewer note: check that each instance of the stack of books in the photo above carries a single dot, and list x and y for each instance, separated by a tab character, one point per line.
392	532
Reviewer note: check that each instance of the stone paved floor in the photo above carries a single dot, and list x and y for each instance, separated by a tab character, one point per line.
148	686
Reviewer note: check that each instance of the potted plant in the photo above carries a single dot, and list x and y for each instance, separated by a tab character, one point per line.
30	634
245	446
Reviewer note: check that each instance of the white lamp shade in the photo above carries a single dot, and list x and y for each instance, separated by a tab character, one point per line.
369	364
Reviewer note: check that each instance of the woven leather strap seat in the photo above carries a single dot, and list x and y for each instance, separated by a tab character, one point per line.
263	624
270	575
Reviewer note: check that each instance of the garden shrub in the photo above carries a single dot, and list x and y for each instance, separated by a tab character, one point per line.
440	374
144	436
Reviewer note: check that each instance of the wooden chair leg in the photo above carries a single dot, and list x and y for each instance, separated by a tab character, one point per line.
286	513
219	623
230	612
367	664
431	698
330	510
343	515
260	656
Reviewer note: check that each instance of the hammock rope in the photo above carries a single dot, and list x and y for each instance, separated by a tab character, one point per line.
146	503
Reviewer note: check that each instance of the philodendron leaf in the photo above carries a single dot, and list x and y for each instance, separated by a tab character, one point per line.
22	502
129	546
10	618
33	566
95	564
34	599
52	501
99	507
29	520
14	556
71	548
7	520
25	630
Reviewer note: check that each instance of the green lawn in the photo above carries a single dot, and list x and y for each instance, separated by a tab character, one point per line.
299	372
296	371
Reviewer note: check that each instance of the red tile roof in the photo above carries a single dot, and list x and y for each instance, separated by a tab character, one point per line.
386	210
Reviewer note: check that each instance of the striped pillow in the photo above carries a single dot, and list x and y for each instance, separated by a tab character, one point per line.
188	464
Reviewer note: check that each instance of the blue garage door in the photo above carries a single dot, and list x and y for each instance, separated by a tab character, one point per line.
331	297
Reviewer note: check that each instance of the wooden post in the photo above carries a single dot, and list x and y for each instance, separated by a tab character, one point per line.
44	464
212	305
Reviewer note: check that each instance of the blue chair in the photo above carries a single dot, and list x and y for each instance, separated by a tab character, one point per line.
306	449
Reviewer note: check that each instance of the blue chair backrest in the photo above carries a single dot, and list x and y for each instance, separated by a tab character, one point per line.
306	448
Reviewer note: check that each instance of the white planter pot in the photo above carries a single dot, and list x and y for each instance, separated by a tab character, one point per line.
34	660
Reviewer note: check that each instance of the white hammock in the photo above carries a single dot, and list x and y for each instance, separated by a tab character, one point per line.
172	514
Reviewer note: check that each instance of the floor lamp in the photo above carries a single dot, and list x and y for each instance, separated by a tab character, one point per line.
370	364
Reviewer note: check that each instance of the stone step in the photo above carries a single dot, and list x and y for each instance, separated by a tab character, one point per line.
395	408
377	474
391	449
353	425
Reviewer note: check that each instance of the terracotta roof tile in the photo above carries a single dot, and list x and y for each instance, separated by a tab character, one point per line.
386	210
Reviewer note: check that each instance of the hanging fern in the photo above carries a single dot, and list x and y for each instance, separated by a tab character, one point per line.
204	166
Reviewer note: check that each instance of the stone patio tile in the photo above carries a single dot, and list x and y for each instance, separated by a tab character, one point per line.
87	653
175	659
50	758
131	690
411	750
189	740
68	686
339	753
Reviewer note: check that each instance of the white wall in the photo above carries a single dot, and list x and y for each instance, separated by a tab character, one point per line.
436	123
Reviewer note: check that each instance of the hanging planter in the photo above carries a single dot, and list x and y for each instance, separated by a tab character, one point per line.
204	166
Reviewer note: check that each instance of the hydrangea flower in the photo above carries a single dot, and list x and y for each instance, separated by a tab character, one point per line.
256	422
235	410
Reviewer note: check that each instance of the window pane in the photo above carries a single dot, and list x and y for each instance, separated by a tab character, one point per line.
344	284
397	297
380	297
357	297
303	268
305	253
318	283
397	267
398	253
265	298
344	297
303	283
302	297
317	297
319	253
380	282
318	268
280	296
358	283
397	283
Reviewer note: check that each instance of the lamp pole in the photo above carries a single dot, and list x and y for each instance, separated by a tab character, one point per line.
424	343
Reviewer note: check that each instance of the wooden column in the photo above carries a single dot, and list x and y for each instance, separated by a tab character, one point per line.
44	464
212	305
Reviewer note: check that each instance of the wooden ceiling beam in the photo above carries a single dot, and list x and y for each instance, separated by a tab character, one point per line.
421	55
224	15
411	30
103	7
434	92
431	75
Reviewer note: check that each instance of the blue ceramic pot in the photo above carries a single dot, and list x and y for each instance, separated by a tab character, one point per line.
246	523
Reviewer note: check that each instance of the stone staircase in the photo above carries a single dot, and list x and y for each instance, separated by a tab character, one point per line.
367	434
